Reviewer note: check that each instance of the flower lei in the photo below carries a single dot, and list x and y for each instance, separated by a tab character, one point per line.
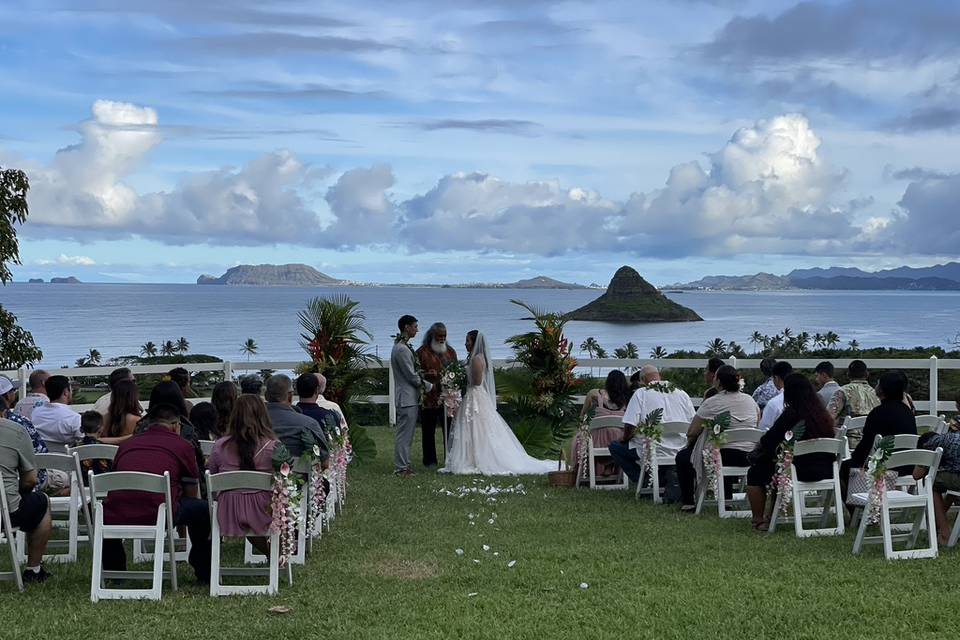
285	508
651	435
583	439
711	451
318	492
783	479
877	469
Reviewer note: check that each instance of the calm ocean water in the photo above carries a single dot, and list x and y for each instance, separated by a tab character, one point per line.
67	320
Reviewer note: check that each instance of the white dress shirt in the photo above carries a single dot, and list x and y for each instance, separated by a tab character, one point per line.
771	412
58	425
677	407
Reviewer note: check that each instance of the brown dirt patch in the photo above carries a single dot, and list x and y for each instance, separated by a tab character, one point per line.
406	569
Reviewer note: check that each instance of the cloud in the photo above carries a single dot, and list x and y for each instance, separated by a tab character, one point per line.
276	91
912	173
515	127
74	261
928	118
270	43
928	222
365	213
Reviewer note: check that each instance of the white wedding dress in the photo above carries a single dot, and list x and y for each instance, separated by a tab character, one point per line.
481	441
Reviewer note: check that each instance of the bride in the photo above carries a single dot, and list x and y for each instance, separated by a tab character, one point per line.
482	442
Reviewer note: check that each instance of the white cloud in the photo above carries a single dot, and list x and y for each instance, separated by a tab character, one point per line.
63	259
928	221
363	210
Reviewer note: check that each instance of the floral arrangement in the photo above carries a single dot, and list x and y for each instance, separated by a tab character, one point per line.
651	434
783	478
715	439
453	381
285	504
318	490
877	470
583	439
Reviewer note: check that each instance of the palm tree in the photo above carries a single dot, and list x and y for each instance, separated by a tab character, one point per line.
787	333
818	340
590	345
717	347
628	351
756	339
249	348
854	345
736	350
803	342
831	339
93	357
183	345
149	349
775	342
81	362
601	352
168	348
658	353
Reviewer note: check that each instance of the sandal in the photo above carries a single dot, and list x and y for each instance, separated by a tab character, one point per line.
761	525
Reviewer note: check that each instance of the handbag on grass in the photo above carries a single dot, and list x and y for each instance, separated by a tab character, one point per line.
861	482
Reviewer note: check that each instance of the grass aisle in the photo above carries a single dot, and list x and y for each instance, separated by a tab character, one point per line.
389	569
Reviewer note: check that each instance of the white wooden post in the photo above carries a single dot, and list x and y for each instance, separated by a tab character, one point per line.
391	405
934	383
24	374
227	370
733	361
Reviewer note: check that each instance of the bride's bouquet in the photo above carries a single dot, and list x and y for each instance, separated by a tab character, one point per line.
453	380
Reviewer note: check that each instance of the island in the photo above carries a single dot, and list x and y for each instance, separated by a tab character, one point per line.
35	281
630	298
67	280
536	282
272	275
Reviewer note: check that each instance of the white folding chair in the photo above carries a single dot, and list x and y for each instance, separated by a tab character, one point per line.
827	490
899	502
661	458
9	536
852	430
206	447
593	452
739	507
930	423
252	556
81	454
100	486
955	531
60	506
229	481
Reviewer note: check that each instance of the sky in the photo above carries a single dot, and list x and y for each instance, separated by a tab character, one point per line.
481	140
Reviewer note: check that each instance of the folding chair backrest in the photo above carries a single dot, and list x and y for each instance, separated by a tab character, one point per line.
905	441
743	434
95	451
606	422
833	446
206	447
854	424
916	457
230	480
129	480
930	423
673	428
59	461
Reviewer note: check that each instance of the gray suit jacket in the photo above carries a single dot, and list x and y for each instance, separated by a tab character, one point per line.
406	380
290	426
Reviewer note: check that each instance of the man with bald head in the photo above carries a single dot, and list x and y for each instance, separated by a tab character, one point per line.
654	394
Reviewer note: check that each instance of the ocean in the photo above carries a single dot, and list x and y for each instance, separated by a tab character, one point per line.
68	320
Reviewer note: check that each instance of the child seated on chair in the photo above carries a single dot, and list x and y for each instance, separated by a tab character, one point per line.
91	422
948	475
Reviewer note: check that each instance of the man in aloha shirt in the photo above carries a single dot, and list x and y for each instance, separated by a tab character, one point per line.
766	391
8	399
434	355
856	398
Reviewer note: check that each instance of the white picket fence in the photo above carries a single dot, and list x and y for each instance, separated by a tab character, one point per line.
933	365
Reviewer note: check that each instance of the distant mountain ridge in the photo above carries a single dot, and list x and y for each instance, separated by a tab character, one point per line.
630	298
273	275
941	277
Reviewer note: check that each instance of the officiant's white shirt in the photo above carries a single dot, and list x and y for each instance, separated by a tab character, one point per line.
677	407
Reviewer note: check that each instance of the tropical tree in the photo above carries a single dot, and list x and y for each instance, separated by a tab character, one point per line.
787	333
589	346
716	348
168	348
17	347
818	340
830	339
756	339
249	348
658	353
602	353
736	350
628	351
94	357
148	349
183	345
802	341
854	345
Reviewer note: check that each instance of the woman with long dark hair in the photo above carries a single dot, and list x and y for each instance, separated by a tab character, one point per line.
222	398
611	400
806	418
123	413
248	445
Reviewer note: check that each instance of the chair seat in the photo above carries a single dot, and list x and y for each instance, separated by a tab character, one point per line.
816	485
895	498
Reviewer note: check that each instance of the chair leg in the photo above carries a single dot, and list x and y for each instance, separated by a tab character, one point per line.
158	553
954	532
274	564
861	530
775	515
96	582
885	530
655	481
828	499
701	496
214	552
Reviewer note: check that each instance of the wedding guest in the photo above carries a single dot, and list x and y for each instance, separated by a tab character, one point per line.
775	404
8	399
434	355
802	407
954	423
890	417
251	384
856	398
329	404
635	381
160	448
247	445
744	413
204	419
710	376
308	390
655	394
56	422
611	400
36	396
123	414
223	397
182	377
948	475
763	393
168	393
823	374
293	429
116	376
92	422
29	509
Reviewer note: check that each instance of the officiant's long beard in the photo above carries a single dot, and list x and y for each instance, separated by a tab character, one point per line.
439	348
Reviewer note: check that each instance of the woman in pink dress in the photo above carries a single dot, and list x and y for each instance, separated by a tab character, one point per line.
248	445
611	400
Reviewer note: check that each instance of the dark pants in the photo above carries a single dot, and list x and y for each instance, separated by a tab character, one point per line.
627	459
430	419
192	514
687	475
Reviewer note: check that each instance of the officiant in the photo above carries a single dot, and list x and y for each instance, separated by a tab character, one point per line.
434	355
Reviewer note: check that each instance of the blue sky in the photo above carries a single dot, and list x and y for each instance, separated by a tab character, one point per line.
428	141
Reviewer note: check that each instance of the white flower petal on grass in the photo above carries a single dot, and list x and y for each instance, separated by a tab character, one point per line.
512	564
470	595
486	547
584	585
491	521
476	562
459	552
496	553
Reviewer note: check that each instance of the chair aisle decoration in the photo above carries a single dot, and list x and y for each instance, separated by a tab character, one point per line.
791	491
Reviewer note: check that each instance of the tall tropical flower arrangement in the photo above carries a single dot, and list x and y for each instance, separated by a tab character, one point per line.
540	390
335	338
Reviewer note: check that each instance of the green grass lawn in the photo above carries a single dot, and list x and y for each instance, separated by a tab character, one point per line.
389	569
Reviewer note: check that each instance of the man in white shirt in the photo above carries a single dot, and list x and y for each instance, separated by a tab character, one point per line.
323	403
654	394
57	423
774	406
824	377
102	405
36	397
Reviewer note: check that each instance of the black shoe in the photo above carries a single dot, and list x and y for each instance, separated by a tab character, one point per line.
36	576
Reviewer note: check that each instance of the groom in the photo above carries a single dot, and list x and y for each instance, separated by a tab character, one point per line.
408	385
